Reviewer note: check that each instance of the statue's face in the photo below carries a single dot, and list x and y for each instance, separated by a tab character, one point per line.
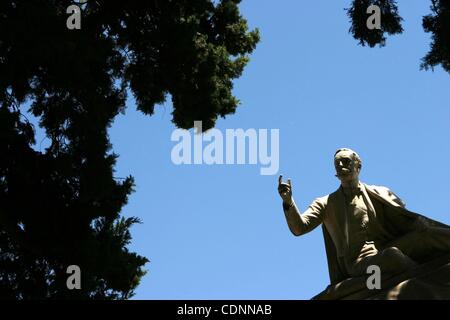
347	168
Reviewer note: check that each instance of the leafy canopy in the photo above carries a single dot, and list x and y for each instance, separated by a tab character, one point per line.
61	206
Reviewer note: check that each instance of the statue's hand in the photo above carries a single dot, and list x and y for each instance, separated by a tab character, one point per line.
285	190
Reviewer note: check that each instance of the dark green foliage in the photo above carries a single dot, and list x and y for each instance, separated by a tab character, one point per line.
390	21
62	206
438	24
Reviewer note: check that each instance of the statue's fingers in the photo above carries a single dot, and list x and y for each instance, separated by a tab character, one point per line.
289	183
280	179
284	187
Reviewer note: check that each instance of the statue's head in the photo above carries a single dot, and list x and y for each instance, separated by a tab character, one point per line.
348	165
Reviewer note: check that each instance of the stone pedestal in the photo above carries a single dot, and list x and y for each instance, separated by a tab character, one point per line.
427	281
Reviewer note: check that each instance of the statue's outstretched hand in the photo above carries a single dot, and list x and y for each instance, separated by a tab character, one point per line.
285	190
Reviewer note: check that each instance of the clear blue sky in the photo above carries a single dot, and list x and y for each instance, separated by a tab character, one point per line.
218	232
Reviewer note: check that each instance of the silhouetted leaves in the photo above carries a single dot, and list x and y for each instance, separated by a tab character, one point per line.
438	23
390	21
62	206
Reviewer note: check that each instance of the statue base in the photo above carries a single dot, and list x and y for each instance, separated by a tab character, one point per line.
429	281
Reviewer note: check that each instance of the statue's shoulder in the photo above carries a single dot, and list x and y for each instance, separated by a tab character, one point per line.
320	202
381	190
386	193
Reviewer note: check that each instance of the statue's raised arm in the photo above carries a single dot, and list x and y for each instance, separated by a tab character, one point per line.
298	223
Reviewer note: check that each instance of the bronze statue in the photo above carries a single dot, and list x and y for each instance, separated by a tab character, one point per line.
365	225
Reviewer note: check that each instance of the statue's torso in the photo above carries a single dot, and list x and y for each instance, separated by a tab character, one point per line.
353	221
363	241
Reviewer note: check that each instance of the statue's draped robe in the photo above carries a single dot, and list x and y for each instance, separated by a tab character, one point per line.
392	223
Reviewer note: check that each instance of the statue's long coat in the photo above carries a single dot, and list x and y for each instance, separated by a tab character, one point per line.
391	223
